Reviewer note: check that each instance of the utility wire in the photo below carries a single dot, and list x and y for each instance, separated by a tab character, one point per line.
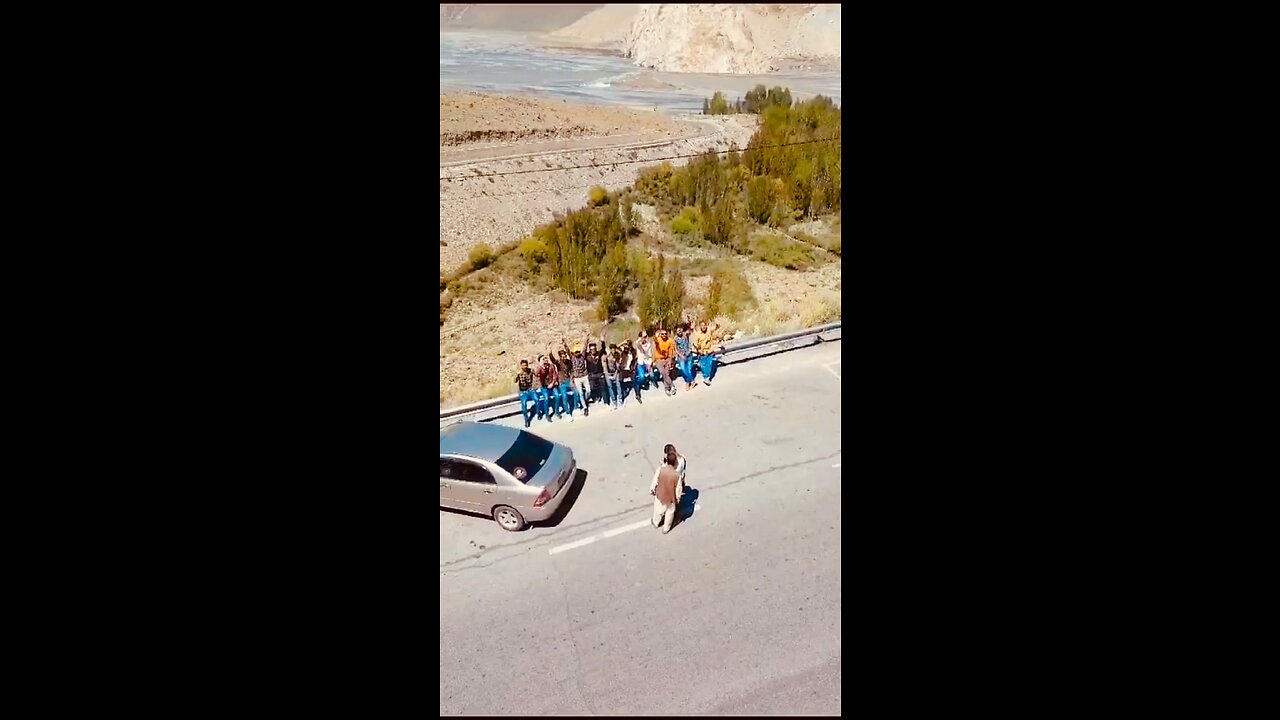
451	178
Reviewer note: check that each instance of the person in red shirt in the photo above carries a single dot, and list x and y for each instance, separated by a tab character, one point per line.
546	376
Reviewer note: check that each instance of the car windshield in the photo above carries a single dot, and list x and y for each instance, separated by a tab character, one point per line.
527	454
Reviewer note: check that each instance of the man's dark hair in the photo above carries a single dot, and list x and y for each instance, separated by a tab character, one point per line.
668	448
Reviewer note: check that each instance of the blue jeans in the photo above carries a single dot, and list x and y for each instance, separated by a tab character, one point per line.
540	395
708	363
612	390
526	397
566	402
640	381
647	376
685	367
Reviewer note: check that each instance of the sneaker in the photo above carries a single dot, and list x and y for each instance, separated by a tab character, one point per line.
570	418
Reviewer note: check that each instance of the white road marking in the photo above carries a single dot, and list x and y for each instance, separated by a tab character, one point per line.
833	372
626	528
836	465
697	507
575	544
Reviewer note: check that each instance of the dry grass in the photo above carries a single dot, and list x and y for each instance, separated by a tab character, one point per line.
463	394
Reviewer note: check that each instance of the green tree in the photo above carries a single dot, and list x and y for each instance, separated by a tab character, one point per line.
612	282
662	296
760	199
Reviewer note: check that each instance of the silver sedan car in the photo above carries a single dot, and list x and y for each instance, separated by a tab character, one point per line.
506	473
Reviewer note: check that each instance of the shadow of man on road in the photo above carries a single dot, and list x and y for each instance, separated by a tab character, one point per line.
688	503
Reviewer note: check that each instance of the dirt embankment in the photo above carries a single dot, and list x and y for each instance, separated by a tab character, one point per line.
474	117
482	205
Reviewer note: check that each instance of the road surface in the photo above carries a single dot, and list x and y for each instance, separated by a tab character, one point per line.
736	611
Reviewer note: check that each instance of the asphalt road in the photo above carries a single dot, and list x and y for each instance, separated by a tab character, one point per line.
736	611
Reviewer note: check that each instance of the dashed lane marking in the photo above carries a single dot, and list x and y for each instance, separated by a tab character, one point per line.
836	465
625	528
831	370
574	544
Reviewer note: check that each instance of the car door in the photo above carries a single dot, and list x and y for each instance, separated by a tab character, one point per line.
451	495
469	484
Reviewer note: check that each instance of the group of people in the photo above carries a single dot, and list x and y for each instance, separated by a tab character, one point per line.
574	378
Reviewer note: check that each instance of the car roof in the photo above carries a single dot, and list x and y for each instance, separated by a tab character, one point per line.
478	440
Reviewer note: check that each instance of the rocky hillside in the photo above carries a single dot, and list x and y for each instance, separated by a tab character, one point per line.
719	38
529	17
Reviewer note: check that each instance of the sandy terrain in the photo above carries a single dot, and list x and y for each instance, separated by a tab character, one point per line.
477	118
498	210
606	26
510	16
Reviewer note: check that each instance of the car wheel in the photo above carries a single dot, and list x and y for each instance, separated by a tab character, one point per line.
509	518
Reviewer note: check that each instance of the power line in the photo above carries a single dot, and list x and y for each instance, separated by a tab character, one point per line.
451	178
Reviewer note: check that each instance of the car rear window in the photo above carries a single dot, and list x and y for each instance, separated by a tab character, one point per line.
528	452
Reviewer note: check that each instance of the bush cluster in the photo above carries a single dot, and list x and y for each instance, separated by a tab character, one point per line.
585	252
756	102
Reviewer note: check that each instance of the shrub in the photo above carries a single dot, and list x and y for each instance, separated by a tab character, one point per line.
686	222
598	196
718	105
662	296
783	253
824	307
612	282
480	256
534	250
760	199
729	293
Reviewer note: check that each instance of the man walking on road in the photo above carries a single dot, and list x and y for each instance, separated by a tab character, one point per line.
665	498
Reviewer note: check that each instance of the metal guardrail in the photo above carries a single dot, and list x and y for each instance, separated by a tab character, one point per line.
794	339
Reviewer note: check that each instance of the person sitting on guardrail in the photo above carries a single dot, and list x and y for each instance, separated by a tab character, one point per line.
627	370
684	355
612	378
644	362
664	355
549	384
595	373
579	380
563	369
705	344
524	381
